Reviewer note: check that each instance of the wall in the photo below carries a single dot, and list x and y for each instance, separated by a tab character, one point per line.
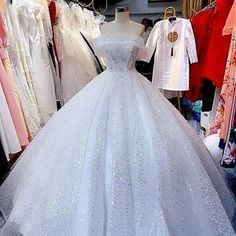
142	8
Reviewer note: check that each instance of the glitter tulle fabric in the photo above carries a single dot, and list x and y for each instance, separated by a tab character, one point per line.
118	159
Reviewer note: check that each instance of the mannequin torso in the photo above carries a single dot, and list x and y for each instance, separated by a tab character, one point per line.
122	24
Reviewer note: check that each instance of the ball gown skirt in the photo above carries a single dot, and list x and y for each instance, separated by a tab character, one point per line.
118	159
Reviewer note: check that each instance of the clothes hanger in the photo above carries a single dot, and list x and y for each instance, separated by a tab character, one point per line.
88	6
85	5
170	13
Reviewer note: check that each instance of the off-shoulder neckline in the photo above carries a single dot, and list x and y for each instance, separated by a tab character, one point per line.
118	37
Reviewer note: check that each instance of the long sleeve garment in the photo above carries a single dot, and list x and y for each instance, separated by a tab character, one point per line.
22	69
17	118
228	91
171	65
217	52
201	24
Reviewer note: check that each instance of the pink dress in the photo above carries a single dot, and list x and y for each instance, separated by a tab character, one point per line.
222	120
12	104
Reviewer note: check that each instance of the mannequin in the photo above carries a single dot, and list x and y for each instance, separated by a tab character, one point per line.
122	24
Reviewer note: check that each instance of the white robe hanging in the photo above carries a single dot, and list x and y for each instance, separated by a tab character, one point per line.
172	72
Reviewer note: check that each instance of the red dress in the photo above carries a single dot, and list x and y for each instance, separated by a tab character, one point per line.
201	24
53	12
217	52
53	16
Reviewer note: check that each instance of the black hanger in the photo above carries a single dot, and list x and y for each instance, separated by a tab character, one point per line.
172	18
91	49
170	14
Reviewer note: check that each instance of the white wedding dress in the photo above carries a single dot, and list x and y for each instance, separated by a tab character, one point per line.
77	63
118	159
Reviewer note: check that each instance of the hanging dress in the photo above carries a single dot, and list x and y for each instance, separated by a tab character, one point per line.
218	47
76	61
8	91
228	91
43	79
21	71
175	48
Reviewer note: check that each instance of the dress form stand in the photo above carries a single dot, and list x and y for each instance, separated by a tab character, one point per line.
122	24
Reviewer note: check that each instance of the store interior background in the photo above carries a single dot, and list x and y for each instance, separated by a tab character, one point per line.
143	9
151	9
154	9
138	9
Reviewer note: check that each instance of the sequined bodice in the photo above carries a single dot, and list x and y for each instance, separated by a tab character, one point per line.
119	51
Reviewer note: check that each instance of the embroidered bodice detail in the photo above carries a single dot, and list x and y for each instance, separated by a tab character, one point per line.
119	51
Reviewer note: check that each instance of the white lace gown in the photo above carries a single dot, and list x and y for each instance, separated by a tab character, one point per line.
76	60
43	77
118	159
22	70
